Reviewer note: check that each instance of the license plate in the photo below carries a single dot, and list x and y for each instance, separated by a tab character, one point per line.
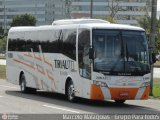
123	94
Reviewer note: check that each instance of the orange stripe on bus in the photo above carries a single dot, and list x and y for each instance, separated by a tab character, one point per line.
123	93
96	93
40	70
28	55
48	63
51	78
38	58
146	93
24	64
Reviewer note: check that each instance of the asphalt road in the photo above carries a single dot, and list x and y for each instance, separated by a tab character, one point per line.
14	102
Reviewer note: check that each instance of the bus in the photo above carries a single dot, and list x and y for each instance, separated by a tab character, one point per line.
87	58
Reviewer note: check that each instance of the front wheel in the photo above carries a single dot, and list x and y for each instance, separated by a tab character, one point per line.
71	92
120	101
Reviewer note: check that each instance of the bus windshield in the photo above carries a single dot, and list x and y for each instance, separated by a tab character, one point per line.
121	52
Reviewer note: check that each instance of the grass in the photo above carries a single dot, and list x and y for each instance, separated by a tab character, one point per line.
156	88
2	57
2	72
157	64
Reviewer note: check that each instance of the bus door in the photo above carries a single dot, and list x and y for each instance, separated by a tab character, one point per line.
83	59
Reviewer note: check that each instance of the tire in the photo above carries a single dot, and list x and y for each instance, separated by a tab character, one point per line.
23	87
71	92
120	101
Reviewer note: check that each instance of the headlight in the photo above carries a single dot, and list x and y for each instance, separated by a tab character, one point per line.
99	83
145	84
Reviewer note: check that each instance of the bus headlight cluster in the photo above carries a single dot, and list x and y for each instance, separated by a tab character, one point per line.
145	84
99	83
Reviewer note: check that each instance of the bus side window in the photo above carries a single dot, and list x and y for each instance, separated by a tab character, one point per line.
11	45
83	53
68	43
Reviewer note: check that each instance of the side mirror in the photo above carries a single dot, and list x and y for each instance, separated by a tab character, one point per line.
153	58
91	53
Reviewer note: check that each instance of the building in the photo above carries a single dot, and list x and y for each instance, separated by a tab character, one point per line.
123	11
44	10
54	10
158	15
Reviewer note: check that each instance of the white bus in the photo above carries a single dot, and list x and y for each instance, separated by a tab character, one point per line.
86	58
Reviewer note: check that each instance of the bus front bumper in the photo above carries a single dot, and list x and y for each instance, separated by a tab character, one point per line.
105	93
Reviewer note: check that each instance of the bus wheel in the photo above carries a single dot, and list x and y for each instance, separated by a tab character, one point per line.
71	92
120	101
24	88
23	84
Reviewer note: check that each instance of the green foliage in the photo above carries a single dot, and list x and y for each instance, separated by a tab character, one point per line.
1	32
156	88
145	22
2	72
3	40
108	18
157	43
24	20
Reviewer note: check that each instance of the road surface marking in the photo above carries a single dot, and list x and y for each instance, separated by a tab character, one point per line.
61	109
1	96
8	86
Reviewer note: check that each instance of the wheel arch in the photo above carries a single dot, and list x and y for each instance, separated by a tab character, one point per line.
67	82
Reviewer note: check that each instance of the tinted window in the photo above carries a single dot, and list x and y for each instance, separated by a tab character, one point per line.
68	43
48	40
16	45
120	51
51	41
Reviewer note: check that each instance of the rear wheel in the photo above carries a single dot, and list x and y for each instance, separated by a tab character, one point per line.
120	101
71	92
23	87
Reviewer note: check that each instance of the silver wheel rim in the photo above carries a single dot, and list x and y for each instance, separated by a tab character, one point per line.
22	86
71	92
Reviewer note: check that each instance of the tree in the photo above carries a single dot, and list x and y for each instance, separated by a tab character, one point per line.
68	8
145	22
3	40
114	7
1	31
23	20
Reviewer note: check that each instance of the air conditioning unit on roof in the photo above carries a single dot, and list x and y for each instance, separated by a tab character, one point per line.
78	21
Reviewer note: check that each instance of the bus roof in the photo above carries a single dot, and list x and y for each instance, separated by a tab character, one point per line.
91	25
113	26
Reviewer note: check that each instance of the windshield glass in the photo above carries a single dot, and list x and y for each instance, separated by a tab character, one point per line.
120	52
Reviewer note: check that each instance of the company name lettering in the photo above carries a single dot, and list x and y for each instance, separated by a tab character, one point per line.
64	64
